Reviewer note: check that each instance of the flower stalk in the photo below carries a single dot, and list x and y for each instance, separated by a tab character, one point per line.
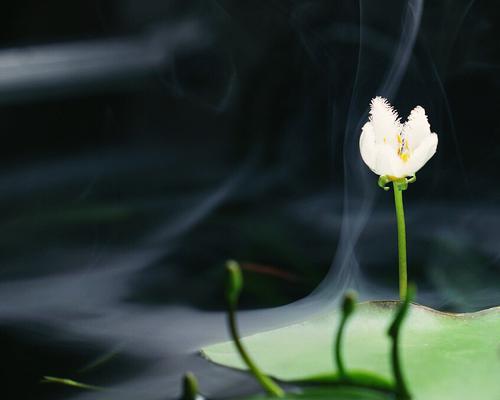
400	217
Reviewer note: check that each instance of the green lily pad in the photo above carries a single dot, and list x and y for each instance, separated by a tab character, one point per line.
444	356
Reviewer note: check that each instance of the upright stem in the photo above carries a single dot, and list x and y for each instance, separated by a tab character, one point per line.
400	216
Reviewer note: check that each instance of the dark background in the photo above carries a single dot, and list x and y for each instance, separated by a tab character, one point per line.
146	142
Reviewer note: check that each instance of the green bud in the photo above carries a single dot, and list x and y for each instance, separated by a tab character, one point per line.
234	282
189	387
349	303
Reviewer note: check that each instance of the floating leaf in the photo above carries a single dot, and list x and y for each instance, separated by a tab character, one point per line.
444	356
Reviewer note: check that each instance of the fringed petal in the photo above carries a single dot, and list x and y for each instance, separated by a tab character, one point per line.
416	129
385	122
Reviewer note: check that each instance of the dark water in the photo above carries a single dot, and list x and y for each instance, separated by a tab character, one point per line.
145	143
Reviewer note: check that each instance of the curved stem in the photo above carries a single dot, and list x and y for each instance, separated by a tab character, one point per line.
348	305
400	217
338	348
394	332
267	383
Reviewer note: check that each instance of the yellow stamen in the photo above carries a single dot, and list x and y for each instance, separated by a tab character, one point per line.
404	156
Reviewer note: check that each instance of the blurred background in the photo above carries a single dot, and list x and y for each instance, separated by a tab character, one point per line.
146	142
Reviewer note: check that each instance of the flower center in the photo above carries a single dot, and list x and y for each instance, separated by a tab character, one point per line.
403	150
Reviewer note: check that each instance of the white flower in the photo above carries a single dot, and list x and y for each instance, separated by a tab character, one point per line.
394	149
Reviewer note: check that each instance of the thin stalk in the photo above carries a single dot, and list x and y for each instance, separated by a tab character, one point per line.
400	217
338	348
394	332
267	383
401	388
70	382
348	305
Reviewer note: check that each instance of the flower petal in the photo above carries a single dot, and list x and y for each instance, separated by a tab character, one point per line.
367	145
422	154
387	162
385	121
416	129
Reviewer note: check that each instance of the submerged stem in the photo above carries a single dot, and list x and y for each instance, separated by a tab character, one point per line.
400	217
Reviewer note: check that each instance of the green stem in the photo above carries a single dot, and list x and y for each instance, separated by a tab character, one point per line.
70	382
394	332
267	383
338	347
348	305
400	216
